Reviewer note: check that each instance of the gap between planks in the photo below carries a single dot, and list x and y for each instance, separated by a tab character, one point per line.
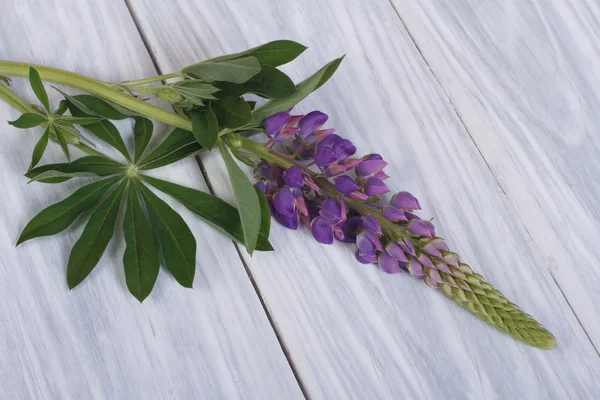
458	115
278	334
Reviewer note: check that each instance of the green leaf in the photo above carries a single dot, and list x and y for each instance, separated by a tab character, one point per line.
71	134
246	198
28	120
178	145
265	216
232	113
79	120
177	243
141	259
195	87
39	149
60	136
62	107
142	132
205	127
235	71
54	176
96	235
107	132
212	209
274	53
59	216
93	105
98	165
269	82
38	88
305	88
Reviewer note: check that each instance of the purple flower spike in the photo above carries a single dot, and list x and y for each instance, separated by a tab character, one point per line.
370	167
375	187
289	222
275	123
394	250
419	227
405	201
324	156
389	264
393	214
284	202
293	177
311	122
321	230
345	184
371	224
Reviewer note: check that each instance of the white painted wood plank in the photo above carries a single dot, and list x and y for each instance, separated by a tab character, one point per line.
97	341
352	331
524	77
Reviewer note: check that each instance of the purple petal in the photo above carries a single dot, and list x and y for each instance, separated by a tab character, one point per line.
426	261
375	240
372	224
294	120
451	259
264	170
351	227
308	181
343	148
275	123
372	156
343	210
338	232
419	227
321	230
415	268
331	210
284	202
321	134
261	185
286	134
432	250
405	201
324	156
389	264
440	266
289	222
381	175
375	187
393	214
366	259
394	250
410	247
365	245
358	196
311	122
345	184
299	201
370	167
333	170
330	140
439	244
293	177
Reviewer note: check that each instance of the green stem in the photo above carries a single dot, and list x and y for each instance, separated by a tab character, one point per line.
13	99
98	88
394	231
151	79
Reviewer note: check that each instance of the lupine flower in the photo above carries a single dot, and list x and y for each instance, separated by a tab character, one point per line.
390	235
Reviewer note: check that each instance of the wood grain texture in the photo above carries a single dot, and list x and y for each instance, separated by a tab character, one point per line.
524	77
97	341
352	331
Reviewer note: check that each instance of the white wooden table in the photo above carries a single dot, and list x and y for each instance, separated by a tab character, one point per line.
487	110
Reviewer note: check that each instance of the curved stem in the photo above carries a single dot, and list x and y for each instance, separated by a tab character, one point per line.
13	100
151	79
96	87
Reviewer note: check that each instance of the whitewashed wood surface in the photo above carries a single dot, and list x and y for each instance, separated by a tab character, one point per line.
97	341
352	331
525	78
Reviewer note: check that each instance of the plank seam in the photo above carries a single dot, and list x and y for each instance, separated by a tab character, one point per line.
457	113
204	173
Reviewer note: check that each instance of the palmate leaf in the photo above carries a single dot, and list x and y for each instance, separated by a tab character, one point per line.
141	259
97	165
38	88
178	145
59	216
205	127
142	133
238	70
247	200
274	53
217	212
176	241
96	235
304	88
